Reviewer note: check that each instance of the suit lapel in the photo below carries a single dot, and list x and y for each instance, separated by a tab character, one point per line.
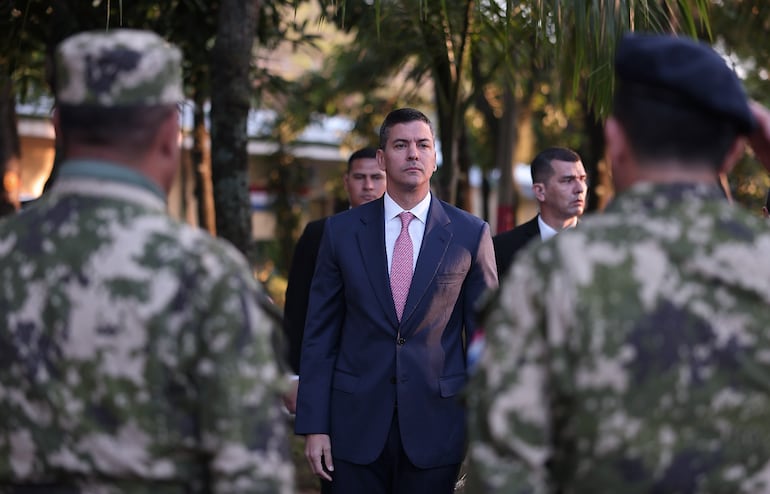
434	245
371	243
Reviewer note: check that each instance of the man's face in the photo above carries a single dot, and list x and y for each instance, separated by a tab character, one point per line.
364	182
409	157
564	193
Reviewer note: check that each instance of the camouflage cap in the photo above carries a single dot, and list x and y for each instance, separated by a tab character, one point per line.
120	67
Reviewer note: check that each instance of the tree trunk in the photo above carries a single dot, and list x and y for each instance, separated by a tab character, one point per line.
284	185
9	148
201	165
503	129
450	168
230	103
448	70
592	155
505	144
464	194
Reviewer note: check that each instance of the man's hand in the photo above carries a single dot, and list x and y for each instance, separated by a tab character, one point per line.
318	450
290	397
760	138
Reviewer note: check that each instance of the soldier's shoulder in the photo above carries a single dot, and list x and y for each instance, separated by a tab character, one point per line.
200	241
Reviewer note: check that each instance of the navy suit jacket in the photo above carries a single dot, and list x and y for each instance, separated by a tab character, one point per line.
359	363
298	288
507	244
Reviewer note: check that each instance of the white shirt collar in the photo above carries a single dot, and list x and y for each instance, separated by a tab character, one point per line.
546	231
420	211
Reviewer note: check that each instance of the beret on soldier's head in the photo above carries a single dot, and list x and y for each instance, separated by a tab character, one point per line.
120	67
692	71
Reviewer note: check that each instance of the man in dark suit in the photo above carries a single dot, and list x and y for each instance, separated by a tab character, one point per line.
559	185
379	391
364	181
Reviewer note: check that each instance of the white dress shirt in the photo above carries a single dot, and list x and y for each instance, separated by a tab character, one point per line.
416	226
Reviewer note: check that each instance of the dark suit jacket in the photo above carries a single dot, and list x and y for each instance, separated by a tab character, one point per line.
298	288
507	244
359	362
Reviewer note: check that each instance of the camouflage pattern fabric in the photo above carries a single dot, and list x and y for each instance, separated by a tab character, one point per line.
630	355
134	355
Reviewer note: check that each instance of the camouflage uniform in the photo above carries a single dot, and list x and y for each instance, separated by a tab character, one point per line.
135	356
631	355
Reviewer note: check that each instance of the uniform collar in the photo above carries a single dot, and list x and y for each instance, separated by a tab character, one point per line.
104	170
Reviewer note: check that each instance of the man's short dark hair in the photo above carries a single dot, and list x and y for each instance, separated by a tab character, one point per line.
129	129
660	126
363	153
402	115
541	169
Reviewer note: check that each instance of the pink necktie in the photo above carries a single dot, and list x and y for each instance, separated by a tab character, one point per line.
401	265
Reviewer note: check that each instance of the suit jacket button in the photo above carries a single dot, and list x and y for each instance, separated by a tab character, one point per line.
393	380
401	341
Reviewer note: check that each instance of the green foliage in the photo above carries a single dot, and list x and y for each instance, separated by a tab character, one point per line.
31	30
585	35
545	58
749	184
742	31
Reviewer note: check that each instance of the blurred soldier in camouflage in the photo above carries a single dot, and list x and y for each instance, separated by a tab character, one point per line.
134	354
632	355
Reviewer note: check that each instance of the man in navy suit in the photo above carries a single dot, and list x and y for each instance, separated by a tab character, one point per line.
559	185
379	392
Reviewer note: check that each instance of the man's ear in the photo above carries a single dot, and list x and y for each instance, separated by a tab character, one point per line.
538	189
165	155
619	154
346	182
381	159
616	142
56	121
168	139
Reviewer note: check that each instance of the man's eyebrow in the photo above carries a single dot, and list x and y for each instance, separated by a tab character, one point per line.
404	139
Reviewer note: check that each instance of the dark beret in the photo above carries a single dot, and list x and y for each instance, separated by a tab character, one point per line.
688	69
